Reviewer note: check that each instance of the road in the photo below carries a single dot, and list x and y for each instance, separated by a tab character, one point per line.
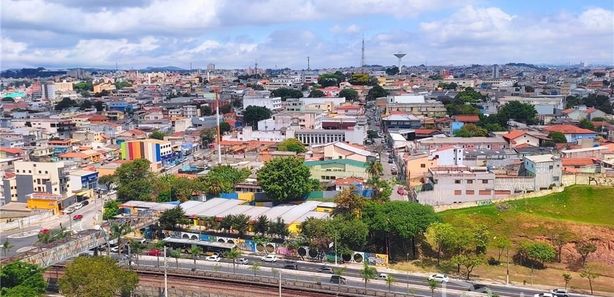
307	271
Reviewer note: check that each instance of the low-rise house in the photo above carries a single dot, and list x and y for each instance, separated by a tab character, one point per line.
572	133
339	150
546	169
522	137
582	165
457	184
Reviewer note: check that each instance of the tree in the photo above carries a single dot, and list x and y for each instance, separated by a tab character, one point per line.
481	237
433	284
136	247
86	104
99	105
394	70
205	110
226	108
559	237
316	94
566	279
223	178
225	127
226	223
586	124
134	181
195	251
585	248
529	89
470	95
107	180
176	254
468	262
538	252
389	281
440	236
351	233
6	246
522	112
157	135
471	130
117	231
262	225
111	209
330	79
557	137
255	267
170	218
501	242
349	94
317	233
279	229
252	114
286	93
375	169
376	92
96	276
590	274
461	108
348	203
286	179
367	273
122	84
21	279
362	79
65	103
233	254
240	223
291	145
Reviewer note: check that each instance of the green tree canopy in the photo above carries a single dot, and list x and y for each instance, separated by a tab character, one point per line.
286	179
362	79
223	178
134	181
349	94
86	104
83	86
286	93
557	137
66	103
586	124
157	135
521	112
394	70
469	95
349	203
111	209
21	279
253	114
461	108
96	277
376	92
291	145
470	130
316	94
99	105
537	252
171	218
206	110
122	84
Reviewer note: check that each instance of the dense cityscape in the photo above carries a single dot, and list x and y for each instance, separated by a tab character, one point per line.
390	177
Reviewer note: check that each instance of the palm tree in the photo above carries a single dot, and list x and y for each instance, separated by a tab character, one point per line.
389	281
375	169
195	251
176	254
433	284
279	229
255	267
240	223
340	272
136	248
233	254
159	246
6	247
117	231
226	223
367	273
262	225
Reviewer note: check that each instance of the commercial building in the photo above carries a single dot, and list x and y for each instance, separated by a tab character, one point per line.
158	152
457	184
329	170
31	177
434	143
357	135
272	103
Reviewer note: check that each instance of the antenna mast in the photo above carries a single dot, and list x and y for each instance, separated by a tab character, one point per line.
362	57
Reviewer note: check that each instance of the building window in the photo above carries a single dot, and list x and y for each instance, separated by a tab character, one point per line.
484	181
485	192
458	192
422	165
550	167
555	178
469	181
469	192
457	181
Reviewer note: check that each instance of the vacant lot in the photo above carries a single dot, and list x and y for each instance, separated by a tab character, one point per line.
587	211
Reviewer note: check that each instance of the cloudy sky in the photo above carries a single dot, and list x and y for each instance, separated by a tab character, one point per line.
282	33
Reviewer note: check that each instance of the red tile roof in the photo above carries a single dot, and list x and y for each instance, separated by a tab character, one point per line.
467	118
426	131
12	150
348	181
514	134
577	161
568	129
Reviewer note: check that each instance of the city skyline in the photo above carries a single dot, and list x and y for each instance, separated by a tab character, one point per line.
136	34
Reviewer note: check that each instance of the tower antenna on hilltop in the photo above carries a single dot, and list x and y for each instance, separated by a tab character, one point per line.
308	66
400	57
362	56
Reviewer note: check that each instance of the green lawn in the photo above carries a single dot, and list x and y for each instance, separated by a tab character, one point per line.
577	204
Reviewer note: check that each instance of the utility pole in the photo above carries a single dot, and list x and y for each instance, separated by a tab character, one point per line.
362	56
308	66
335	247
219	137
507	272
165	275
279	283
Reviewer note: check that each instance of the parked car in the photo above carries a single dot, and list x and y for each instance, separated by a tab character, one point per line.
77	217
338	279
269	258
78	205
215	258
68	210
85	202
326	269
558	292
292	266
544	295
154	252
401	191
383	276
438	277
243	261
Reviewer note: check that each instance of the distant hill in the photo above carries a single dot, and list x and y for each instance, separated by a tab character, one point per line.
163	68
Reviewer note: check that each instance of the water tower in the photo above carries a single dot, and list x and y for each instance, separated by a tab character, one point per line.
400	57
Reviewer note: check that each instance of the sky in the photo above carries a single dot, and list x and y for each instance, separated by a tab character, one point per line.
283	33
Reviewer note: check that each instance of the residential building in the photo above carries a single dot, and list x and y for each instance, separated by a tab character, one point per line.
30	177
521	137
546	169
329	170
158	152
339	150
401	121
464	142
272	103
457	184
417	168
572	133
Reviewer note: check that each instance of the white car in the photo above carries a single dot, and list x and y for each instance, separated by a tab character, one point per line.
68	210
214	258
383	276
243	261
544	295
269	258
78	205
438	277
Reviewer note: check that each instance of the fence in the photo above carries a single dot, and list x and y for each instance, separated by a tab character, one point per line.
25	222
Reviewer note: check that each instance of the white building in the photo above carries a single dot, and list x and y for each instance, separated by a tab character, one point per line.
546	169
273	104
